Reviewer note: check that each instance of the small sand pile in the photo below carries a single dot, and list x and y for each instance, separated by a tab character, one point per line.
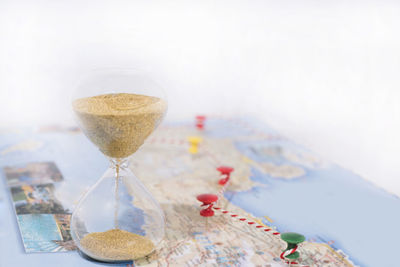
117	245
119	123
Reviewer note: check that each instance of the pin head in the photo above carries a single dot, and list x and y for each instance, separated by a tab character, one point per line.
225	169
200	117
195	140
293	238
207	198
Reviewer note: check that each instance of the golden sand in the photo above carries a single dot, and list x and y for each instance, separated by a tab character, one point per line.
117	245
119	123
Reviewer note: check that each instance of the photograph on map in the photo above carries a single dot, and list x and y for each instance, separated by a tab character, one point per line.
46	232
34	173
36	199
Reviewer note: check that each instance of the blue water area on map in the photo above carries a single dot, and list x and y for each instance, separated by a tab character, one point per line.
272	151
327	204
38	231
230	128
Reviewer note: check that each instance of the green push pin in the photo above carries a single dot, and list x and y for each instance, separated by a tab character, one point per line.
292	239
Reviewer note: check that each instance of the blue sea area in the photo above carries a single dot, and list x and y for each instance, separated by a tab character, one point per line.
220	128
326	204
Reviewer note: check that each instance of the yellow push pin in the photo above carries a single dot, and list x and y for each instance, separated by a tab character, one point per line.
194	142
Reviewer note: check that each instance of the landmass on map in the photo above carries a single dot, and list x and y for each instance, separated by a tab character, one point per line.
221	241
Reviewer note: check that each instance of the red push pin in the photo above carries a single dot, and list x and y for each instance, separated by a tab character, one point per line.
226	172
208	200
200	122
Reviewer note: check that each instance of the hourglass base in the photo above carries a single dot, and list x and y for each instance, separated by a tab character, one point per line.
87	257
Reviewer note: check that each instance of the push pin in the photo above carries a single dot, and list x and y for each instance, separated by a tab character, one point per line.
226	173
290	255
194	142
208	200
200	122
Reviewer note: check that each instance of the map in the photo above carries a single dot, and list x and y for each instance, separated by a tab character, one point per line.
276	184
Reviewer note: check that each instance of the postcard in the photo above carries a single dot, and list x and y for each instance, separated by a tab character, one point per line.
43	221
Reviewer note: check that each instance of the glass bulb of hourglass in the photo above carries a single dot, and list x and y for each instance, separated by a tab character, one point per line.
118	219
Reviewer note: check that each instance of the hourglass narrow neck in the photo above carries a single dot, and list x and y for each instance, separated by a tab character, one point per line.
118	163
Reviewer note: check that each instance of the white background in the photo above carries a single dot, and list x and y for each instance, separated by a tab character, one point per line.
324	73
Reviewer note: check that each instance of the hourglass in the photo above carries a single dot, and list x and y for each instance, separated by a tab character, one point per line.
118	219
